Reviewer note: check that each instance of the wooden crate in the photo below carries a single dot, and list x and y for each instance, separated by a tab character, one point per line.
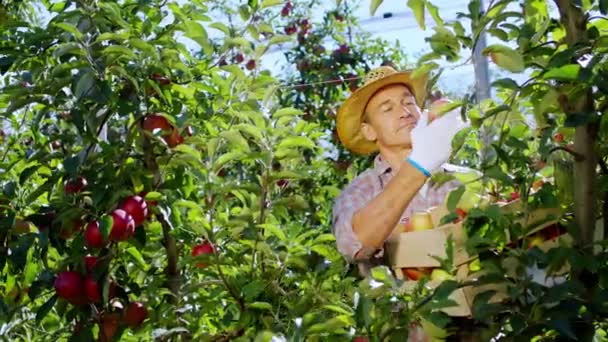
463	297
422	248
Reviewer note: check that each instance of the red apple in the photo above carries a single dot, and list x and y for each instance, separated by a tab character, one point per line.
89	263
135	314
174	138
161	79
552	232
558	138
69	285
108	325
92	290
360	339
93	237
239	58
286	9
461	214
75	185
137	207
202	249
416	273
250	64
514	195
537	184
154	121
281	183
123	226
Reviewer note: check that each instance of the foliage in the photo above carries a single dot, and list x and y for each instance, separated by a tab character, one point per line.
222	152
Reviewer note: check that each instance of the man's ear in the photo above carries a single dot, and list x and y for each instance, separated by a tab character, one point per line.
368	132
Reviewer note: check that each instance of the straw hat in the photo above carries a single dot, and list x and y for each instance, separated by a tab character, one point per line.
350	114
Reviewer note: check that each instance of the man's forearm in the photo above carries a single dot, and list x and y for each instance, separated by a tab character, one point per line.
375	222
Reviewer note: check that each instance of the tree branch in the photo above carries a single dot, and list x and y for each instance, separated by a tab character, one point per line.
585	167
172	270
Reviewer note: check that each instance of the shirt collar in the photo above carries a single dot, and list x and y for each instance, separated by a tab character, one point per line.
381	166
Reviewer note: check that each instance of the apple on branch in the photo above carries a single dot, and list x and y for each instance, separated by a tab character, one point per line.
416	273
441	275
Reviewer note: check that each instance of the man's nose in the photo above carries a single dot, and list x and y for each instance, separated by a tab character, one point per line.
405	112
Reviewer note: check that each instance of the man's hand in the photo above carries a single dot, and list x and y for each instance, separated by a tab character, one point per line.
432	143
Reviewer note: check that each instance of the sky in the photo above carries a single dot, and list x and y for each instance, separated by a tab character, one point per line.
456	79
403	27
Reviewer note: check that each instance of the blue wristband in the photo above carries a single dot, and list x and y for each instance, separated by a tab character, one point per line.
419	168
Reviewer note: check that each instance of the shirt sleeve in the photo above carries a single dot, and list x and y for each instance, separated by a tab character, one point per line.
345	207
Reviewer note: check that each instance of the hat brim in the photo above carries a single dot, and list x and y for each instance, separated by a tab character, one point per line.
350	114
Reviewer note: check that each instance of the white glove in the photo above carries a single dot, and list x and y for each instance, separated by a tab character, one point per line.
432	143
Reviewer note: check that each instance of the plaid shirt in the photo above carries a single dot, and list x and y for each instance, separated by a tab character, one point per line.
361	191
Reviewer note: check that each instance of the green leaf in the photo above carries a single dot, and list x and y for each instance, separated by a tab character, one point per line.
45	308
279	39
434	12
417	7
25	174
270	3
251	130
383	275
454	197
120	50
226	158
105	225
219	26
85	84
260	306
567	72
153	196
288	111
291	142
506	83
273	229
505	57
338	309
603	6
445	289
331	325
69	28
236	139
188	150
196	32
496	173
252	290
373	6
145	47
137	256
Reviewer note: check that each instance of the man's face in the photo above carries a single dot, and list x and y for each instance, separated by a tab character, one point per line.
391	115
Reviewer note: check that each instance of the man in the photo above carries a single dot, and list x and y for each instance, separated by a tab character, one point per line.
384	116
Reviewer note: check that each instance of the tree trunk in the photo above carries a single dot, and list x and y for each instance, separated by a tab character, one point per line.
585	135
